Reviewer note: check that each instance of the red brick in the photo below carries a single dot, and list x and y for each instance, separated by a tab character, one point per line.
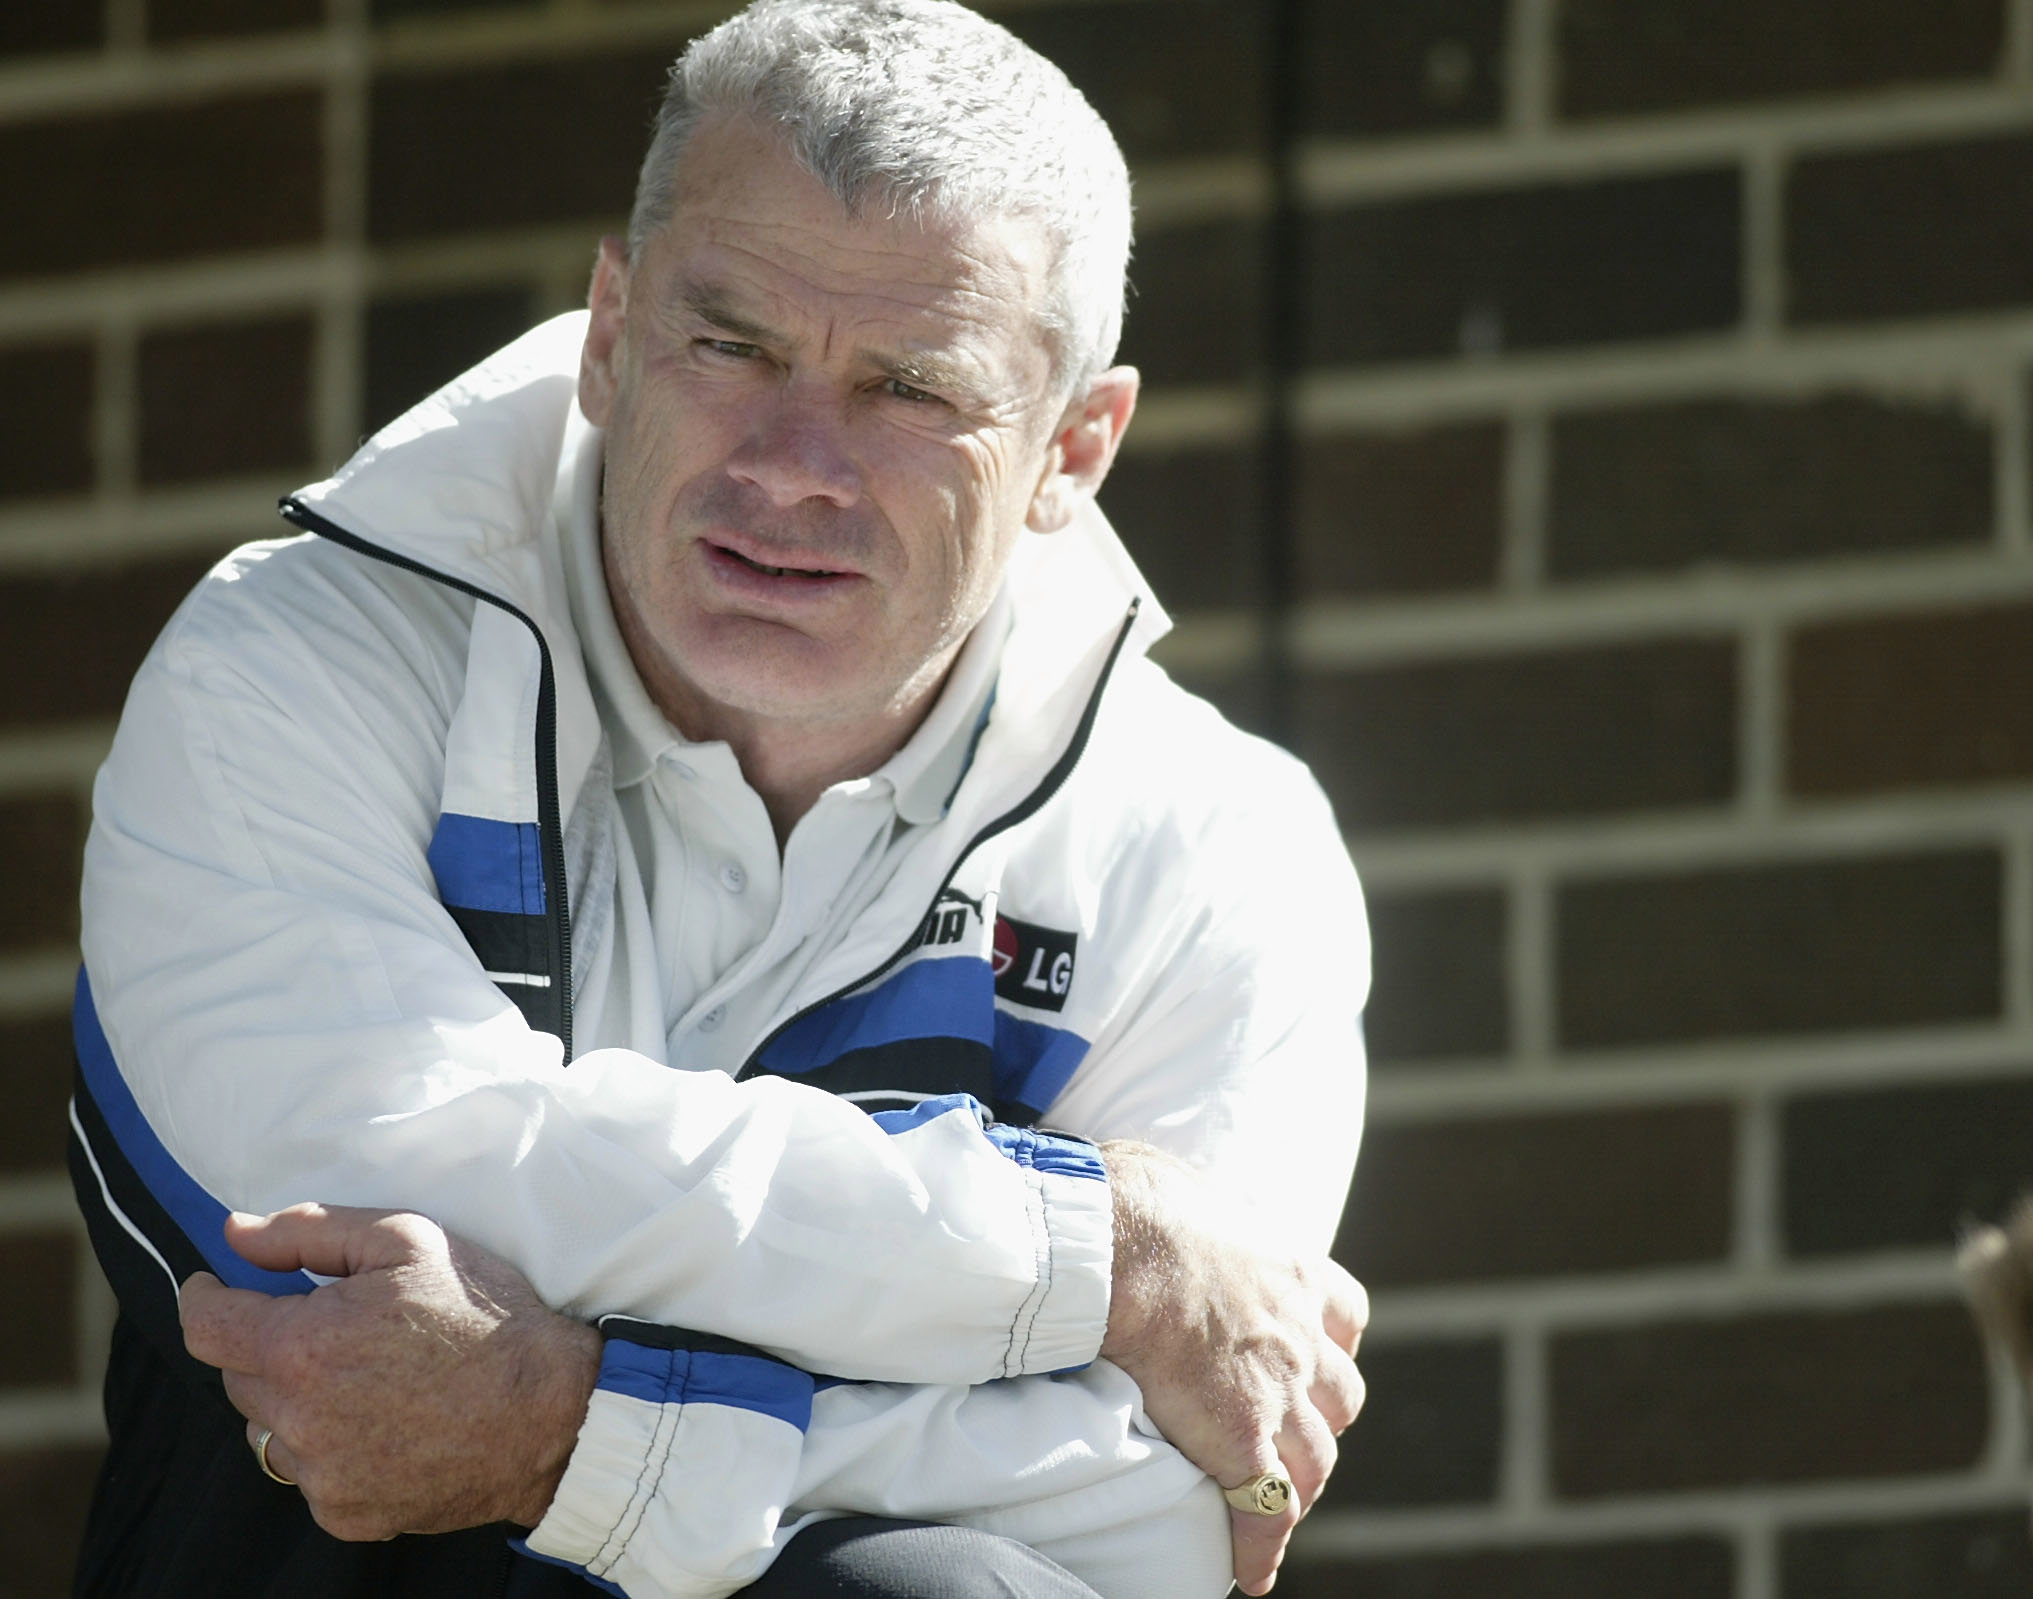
36	27
1575	732
35	1077
1410	512
73	639
1624	57
46	419
1192	85
44	1494
225	397
1982	1556
453	151
1911	231
1378	66
42	838
1888	1391
1796	946
1189	517
417	343
1193	305
1679	1568
1550	265
163	184
170	20
1544	1194
1659	487
1431	1427
1906	1167
1913	701
1438	987
39	1334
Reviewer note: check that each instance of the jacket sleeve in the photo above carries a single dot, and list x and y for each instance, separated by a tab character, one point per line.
1240	1053
276	1008
699	1459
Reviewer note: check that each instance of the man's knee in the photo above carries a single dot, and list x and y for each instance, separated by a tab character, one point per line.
867	1557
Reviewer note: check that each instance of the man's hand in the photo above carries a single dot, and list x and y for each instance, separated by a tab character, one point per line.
428	1389
1245	1354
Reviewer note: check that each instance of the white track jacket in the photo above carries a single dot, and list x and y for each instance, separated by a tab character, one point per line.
354	858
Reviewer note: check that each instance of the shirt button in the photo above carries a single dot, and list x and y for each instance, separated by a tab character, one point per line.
733	878
710	1022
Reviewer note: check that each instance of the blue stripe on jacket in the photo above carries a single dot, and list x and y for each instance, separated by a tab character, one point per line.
485	865
201	1217
947	997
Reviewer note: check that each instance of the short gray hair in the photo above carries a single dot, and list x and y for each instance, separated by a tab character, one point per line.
924	108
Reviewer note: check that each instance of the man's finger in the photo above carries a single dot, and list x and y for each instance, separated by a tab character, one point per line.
331	1240
1344	1310
1259	1545
1337	1391
281	1463
256	1398
226	1327
1307	1449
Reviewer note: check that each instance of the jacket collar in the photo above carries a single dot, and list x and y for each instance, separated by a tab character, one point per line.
465	484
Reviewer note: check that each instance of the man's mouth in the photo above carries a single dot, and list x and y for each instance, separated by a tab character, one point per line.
777	571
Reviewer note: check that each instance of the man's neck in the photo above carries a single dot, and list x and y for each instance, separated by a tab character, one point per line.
791	763
788	761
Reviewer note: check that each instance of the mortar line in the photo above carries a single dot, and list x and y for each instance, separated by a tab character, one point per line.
1348	636
1761	720
1757	1550
2013	462
1335	172
2017	62
1529	70
93	1304
1522	1487
2017	931
1712	1293
1334	1534
126	27
1758	1183
1530	967
1764	242
336	398
1526	491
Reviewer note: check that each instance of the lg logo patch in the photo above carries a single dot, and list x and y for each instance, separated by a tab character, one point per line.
1033	965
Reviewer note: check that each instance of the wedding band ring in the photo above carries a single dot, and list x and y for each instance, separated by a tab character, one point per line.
1266	1494
261	1459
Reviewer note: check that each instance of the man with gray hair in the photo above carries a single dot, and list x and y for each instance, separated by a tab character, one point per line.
671	1004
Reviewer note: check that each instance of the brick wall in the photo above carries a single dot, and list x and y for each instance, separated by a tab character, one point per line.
1596	432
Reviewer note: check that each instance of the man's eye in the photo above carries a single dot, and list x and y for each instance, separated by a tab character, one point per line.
906	391
733	349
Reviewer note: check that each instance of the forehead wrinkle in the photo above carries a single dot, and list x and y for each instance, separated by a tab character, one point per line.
926	369
709	303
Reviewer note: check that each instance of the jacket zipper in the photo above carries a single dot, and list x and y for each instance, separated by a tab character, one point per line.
550	823
1022	811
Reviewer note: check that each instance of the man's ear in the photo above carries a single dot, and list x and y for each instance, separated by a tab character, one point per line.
599	360
1083	448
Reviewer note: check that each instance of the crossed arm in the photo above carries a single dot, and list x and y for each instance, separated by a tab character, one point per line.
228	824
429	1389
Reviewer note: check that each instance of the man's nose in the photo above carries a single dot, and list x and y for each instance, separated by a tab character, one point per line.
796	449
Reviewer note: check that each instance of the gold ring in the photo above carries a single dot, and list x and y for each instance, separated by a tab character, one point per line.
1266	1494
261	1459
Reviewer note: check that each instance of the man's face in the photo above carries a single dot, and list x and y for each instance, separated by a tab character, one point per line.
823	438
